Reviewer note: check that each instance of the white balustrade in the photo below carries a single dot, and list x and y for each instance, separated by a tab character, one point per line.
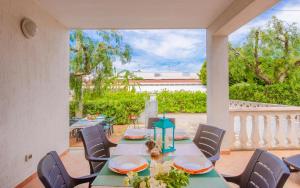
264	126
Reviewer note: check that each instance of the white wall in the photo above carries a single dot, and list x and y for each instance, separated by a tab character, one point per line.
33	90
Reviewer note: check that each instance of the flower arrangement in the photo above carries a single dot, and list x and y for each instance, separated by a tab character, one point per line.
162	175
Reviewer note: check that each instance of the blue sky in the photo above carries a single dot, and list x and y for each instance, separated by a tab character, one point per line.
184	50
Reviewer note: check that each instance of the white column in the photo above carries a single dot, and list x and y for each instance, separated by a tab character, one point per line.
217	85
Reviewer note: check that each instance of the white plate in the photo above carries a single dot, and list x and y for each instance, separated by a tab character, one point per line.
124	164
193	164
181	135
135	134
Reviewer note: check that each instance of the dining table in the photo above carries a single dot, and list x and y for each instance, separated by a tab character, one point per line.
109	179
84	122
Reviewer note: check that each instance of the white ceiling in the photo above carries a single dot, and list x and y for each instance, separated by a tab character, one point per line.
135	14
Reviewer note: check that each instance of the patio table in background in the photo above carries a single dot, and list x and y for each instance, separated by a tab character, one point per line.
82	123
109	179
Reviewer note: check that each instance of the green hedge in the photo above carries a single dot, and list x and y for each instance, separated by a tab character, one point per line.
119	105
181	101
275	94
122	104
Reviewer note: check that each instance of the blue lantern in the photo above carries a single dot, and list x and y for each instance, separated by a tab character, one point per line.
164	131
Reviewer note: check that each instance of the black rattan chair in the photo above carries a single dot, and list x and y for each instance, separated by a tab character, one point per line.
293	162
209	140
151	120
96	147
263	170
53	174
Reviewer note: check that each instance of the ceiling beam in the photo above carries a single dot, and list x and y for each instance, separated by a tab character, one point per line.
237	14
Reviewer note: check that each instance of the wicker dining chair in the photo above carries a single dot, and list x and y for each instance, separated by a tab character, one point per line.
209	139
53	174
151	120
96	146
263	170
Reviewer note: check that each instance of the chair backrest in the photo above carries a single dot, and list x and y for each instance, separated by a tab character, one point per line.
264	170
151	120
52	172
95	145
209	139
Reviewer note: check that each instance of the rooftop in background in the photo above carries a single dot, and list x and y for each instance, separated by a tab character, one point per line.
170	81
167	75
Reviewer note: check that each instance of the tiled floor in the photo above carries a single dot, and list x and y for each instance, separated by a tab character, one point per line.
231	164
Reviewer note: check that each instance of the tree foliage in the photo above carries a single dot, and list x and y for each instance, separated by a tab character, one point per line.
93	57
124	80
276	93
202	74
270	55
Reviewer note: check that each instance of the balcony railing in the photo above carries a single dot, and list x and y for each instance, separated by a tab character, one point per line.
264	125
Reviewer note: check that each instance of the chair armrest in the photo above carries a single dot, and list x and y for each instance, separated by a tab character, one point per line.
293	162
111	144
233	179
85	179
214	158
97	159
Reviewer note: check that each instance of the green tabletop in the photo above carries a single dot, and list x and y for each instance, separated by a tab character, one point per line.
109	179
212	179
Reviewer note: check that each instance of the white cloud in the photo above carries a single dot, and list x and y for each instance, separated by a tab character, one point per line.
149	64
170	44
286	10
290	12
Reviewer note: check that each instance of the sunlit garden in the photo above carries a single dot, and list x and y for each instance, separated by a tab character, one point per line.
264	68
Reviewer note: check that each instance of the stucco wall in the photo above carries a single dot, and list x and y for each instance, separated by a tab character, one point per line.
33	90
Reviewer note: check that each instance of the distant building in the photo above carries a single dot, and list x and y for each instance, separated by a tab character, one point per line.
170	81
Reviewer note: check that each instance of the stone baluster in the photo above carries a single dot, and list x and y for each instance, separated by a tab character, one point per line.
243	130
285	127
237	130
283	130
295	121
249	131
274	128
271	130
261	126
293	131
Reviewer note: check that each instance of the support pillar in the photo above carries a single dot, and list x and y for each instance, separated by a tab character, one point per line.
217	85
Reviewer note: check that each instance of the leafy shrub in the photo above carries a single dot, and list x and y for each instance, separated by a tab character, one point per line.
181	101
122	104
119	105
275	94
